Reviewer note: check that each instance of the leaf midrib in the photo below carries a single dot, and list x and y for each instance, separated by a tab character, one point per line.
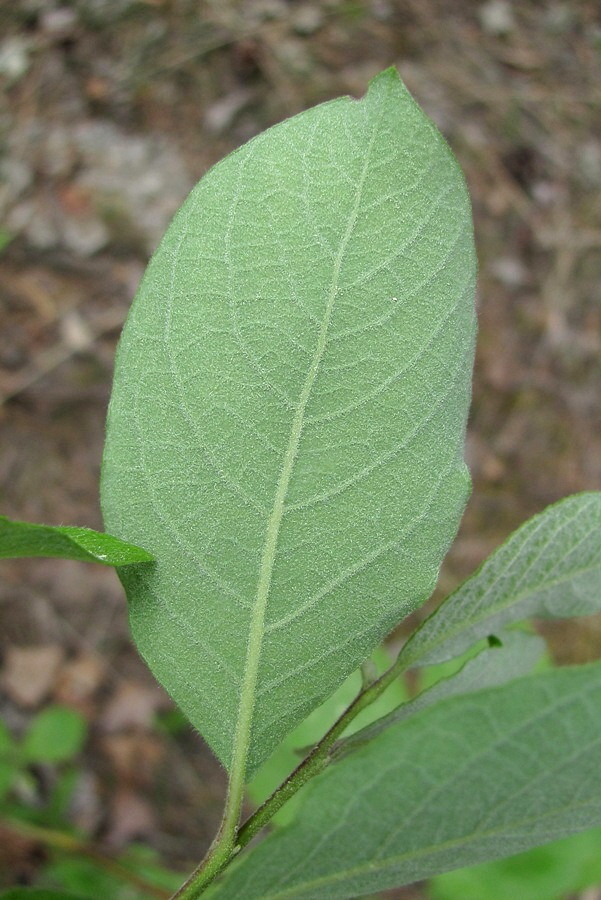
257	626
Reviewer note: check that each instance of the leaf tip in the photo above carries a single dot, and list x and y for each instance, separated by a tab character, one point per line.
388	78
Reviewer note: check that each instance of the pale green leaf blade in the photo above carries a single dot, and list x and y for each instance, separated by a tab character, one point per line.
287	421
549	567
473	778
24	539
515	657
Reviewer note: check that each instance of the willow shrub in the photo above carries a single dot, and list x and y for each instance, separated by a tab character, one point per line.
285	439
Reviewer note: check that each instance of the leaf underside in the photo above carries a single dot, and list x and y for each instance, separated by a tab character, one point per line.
550	567
473	778
287	421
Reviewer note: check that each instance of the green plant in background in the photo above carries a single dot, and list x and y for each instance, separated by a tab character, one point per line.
5	239
285	438
54	739
55	736
553	872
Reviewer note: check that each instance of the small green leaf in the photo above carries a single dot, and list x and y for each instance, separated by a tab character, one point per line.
515	656
57	734
473	778
18	539
287	420
550	567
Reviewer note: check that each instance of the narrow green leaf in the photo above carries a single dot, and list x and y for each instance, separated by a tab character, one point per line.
550	567
287	421
473	778
512	658
19	539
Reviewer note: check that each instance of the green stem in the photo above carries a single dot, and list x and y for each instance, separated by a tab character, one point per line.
231	839
318	758
222	850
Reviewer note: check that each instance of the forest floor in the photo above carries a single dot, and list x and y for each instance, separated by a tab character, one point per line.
110	110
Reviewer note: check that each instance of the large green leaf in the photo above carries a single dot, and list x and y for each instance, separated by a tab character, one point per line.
22	539
474	778
287	421
550	567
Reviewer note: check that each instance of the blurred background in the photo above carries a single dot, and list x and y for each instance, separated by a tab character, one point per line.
110	110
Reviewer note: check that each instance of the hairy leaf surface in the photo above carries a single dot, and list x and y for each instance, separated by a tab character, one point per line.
550	567
287	421
473	778
23	539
